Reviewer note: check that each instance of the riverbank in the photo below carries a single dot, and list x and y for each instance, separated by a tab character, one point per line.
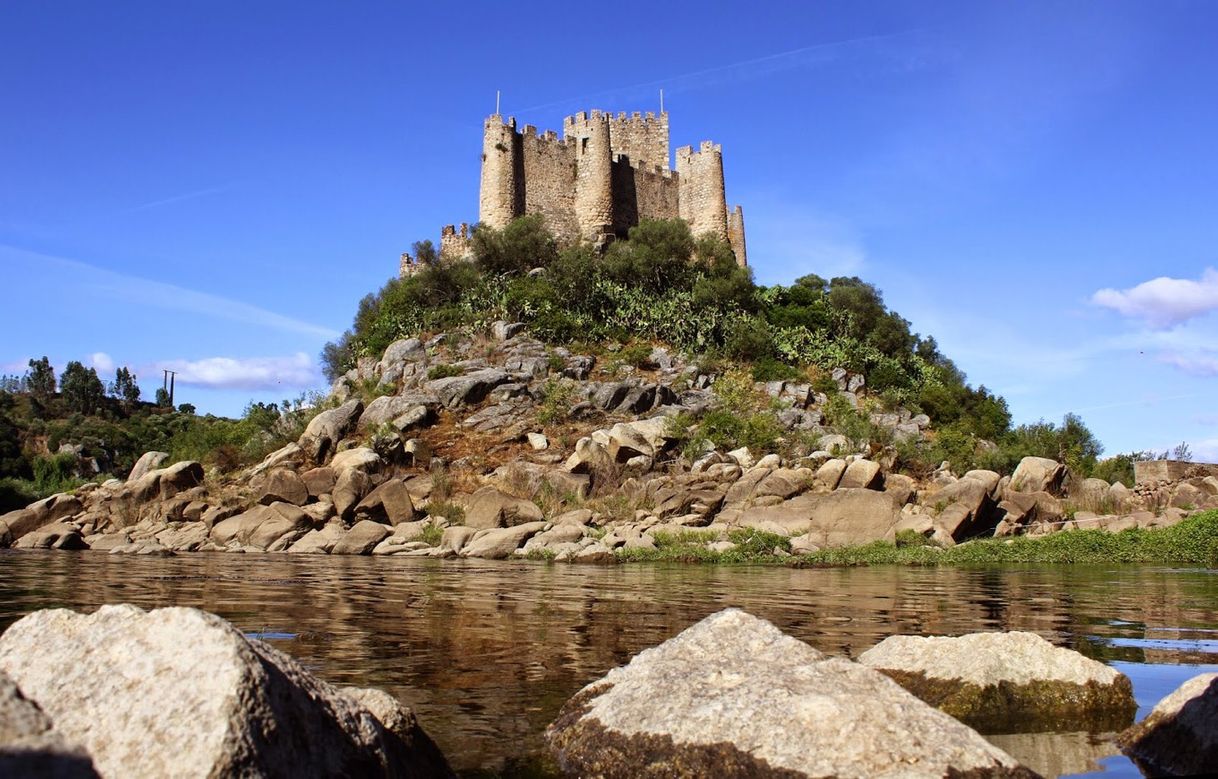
1194	541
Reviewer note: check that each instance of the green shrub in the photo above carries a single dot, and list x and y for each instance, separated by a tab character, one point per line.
556	397
443	371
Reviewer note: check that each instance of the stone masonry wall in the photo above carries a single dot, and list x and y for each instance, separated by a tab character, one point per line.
549	182
641	139
602	177
735	235
1152	471
642	193
703	201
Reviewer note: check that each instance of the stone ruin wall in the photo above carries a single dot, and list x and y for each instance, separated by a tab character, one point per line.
1153	471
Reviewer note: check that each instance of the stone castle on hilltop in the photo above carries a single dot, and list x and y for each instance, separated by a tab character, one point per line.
605	174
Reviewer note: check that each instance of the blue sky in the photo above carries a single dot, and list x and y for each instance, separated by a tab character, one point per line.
212	186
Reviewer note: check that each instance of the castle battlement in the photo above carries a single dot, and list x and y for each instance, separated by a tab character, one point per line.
602	176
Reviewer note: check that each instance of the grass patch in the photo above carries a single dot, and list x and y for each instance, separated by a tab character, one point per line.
432	534
444	371
451	511
1191	542
689	546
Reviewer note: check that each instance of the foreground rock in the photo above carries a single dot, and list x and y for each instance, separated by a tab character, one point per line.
29	746
180	692
1180	736
733	696
1007	682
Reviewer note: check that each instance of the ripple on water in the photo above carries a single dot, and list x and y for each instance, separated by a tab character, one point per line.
487	652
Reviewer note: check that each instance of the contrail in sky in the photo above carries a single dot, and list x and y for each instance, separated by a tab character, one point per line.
160	294
736	71
178	198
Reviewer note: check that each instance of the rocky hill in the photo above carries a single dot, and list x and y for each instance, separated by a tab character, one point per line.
493	444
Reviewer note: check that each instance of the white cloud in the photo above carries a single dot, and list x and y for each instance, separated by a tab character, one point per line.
1196	363
102	362
1164	301
140	291
1205	451
249	373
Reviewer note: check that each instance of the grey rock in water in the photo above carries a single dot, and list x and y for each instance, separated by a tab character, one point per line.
733	696
29	745
500	543
361	538
180	692
1007	682
1180	735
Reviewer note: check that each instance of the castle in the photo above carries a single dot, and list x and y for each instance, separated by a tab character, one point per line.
605	174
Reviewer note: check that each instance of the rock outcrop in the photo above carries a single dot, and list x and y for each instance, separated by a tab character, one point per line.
1180	735
733	696
1007	682
180	692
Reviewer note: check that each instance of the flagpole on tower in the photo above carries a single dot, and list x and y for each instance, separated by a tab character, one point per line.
661	101
496	102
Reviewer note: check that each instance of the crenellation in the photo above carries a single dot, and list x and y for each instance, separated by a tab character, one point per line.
604	174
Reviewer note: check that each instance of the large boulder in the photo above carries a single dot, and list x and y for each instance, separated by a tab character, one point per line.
359	458
963	510
490	508
361	538
733	696
349	489
40	513
1180	735
388	408
1039	474
281	484
148	461
500	543
180	692
29	746
325	430
1007	682
862	474
844	517
389	503
470	388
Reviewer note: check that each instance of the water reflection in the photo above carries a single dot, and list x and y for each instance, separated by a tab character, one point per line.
487	652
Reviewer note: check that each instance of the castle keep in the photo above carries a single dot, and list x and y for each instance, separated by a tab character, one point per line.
605	174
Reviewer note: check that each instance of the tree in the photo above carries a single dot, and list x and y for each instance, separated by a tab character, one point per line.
425	252
162	397
81	388
41	378
124	387
521	246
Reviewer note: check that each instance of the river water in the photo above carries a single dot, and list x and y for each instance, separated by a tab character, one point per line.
487	652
